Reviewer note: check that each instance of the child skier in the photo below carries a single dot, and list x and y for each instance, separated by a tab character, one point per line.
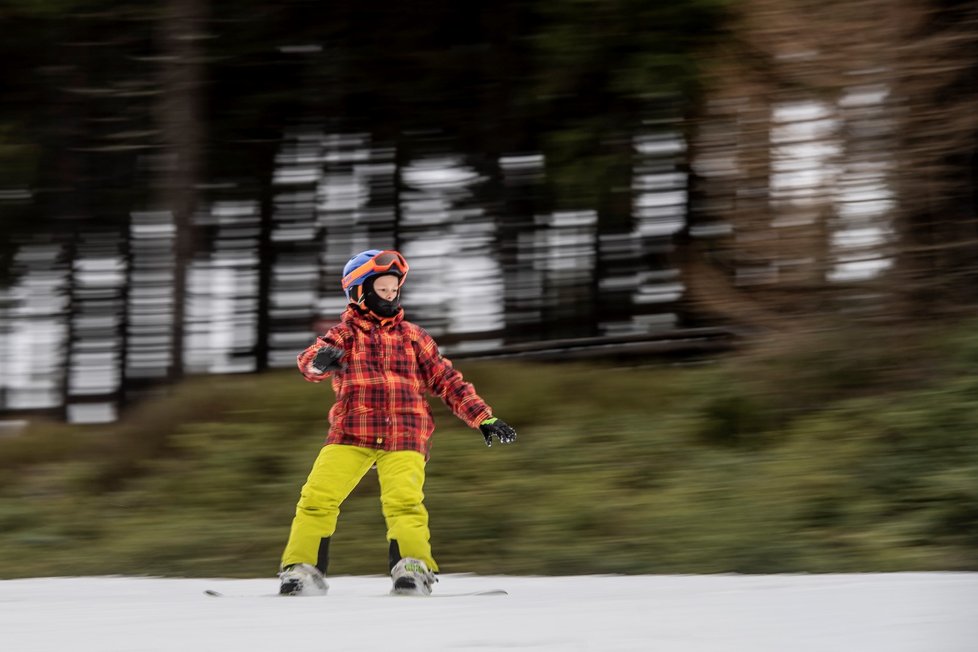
381	367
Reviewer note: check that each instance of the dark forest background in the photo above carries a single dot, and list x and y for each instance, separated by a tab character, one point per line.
181	183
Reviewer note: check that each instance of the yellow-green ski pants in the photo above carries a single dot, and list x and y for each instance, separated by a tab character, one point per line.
337	471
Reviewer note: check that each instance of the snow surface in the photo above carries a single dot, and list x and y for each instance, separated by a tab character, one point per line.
900	612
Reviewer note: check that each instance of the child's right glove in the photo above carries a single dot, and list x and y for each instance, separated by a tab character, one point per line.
327	359
502	430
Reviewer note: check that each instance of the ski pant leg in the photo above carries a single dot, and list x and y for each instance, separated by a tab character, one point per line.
337	470
401	475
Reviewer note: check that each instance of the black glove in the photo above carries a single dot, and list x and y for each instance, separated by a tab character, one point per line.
503	431
327	359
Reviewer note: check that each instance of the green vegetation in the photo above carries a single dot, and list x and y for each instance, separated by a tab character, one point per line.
836	452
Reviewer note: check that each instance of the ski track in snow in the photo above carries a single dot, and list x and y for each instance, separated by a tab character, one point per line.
899	612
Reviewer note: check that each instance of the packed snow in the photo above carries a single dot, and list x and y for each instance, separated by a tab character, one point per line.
900	612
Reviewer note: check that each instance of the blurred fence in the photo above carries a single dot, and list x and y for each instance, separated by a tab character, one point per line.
97	315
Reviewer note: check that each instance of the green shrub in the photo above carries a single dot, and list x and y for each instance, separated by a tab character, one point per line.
762	463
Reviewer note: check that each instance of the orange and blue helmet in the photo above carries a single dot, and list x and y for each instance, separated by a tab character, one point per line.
368	264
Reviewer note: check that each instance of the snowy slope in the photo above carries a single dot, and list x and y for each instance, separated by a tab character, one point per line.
907	612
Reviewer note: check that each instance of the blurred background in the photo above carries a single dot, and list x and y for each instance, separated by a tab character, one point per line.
747	229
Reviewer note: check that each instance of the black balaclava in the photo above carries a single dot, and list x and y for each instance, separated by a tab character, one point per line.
375	303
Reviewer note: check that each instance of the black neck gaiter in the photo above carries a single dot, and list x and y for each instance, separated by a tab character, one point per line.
377	305
381	307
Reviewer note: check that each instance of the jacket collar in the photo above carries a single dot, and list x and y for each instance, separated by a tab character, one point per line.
366	320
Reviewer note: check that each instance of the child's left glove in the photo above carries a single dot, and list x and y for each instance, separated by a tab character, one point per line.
502	430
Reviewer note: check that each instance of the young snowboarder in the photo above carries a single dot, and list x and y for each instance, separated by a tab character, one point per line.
381	367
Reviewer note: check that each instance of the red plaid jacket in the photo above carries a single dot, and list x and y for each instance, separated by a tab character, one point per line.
380	395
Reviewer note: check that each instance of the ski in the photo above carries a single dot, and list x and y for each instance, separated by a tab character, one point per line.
464	594
218	594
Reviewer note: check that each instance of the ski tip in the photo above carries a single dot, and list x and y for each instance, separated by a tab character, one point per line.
470	594
212	593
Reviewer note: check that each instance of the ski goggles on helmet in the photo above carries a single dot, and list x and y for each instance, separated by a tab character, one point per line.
382	263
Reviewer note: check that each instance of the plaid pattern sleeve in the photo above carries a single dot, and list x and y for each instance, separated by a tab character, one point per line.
445	381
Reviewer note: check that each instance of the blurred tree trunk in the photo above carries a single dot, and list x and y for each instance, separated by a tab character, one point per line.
179	30
936	90
834	150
